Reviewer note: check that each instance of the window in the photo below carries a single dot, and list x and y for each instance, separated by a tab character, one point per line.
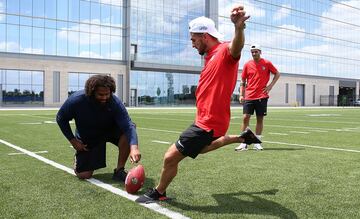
12	35
13	6
74	11
50	42
159	88
84	11
25	39
25	7
62	10
77	81
95	13
39	8
61	42
22	87
50	9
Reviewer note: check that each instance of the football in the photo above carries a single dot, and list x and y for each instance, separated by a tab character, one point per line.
135	179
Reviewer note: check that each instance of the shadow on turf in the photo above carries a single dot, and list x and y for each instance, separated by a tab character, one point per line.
238	203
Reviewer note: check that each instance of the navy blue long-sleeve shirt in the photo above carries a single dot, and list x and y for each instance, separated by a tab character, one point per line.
93	120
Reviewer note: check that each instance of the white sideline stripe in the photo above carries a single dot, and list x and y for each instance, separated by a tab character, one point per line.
161	142
153	206
30	123
159	130
37	152
299	132
277	133
312	146
318	131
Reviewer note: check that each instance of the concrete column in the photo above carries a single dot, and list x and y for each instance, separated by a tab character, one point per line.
64	81
48	87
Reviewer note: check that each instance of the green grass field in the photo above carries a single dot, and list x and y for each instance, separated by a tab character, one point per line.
310	168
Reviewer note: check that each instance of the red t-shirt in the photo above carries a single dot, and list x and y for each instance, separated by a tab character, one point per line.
257	76
216	85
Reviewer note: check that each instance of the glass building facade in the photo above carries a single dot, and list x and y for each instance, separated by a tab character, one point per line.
149	39
76	28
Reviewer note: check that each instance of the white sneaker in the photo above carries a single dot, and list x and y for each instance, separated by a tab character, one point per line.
258	147
241	147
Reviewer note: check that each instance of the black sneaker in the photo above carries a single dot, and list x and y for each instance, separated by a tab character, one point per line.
119	175
249	137
152	195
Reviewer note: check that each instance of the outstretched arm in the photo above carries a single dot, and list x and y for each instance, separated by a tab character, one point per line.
238	18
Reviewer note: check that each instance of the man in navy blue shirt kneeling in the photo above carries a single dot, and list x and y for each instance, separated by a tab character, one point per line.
100	117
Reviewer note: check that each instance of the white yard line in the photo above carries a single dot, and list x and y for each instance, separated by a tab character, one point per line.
153	206
313	121
318	131
161	142
312	146
37	152
159	130
299	132
277	133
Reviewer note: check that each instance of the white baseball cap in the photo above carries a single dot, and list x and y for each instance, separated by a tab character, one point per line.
255	47
204	25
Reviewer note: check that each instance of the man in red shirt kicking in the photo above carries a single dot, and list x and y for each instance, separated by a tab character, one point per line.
216	84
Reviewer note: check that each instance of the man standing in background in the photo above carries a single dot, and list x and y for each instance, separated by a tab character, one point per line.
254	92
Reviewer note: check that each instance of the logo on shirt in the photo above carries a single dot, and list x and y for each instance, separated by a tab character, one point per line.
263	68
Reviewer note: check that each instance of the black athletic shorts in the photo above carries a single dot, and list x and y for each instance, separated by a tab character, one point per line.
193	140
260	107
95	158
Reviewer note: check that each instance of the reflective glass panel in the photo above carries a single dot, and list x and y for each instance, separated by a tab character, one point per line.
12	35
25	77
25	39
50	9
50	42
74	10
2	37
62	10
39	8
26	7
38	40
13	6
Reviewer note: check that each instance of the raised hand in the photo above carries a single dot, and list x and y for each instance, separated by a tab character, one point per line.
238	16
